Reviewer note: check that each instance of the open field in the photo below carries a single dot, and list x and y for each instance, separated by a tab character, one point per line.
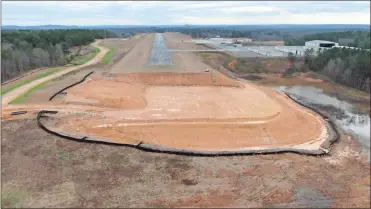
180	106
28	79
49	167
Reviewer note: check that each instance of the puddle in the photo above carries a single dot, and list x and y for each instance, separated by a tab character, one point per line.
342	113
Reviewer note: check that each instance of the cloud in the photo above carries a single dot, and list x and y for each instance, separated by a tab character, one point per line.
184	12
194	20
290	18
251	9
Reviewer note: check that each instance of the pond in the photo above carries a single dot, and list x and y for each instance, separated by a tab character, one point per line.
344	114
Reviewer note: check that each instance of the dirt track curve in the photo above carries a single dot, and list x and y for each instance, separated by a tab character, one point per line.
10	96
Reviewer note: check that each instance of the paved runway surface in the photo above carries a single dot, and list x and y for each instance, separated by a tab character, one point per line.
160	54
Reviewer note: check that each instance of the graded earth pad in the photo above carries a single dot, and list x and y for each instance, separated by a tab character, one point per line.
189	112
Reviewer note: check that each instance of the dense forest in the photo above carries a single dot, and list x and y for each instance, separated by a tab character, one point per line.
23	50
359	39
349	67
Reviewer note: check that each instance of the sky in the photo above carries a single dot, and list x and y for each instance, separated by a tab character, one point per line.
88	13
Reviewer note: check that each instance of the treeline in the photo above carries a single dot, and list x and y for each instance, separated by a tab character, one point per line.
211	32
349	67
359	39
24	50
257	35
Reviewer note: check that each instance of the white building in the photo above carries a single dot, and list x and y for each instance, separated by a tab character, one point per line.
316	44
222	40
242	40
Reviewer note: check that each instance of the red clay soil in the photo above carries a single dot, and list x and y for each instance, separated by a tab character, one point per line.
181	79
105	92
127	91
275	65
197	118
232	65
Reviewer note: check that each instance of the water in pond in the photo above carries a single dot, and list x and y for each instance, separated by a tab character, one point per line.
342	113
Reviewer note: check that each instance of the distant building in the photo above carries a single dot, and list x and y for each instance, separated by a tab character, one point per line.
222	40
320	44
242	40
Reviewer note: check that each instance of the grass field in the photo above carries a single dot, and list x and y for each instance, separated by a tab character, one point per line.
107	58
18	84
25	95
91	56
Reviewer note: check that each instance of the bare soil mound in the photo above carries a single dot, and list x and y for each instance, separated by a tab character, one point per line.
198	125
107	92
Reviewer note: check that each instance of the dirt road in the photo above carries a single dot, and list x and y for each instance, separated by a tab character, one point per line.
23	89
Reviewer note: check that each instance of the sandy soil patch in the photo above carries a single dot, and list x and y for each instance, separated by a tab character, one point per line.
108	93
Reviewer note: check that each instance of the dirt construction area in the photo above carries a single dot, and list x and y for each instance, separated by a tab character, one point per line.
190	112
179	105
185	111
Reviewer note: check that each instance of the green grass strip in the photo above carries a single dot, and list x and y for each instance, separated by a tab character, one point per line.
25	95
107	58
21	83
91	56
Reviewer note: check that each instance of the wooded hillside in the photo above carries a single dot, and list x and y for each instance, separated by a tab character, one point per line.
346	66
24	50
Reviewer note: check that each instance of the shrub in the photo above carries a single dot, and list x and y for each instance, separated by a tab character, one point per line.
257	70
290	72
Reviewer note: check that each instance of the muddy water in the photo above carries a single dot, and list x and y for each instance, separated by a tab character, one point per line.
342	113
